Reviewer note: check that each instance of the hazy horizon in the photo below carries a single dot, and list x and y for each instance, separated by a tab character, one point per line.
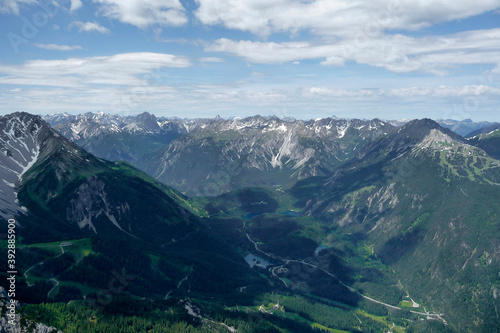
270	116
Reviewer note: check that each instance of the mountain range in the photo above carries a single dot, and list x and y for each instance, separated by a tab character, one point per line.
464	127
207	156
238	152
327	224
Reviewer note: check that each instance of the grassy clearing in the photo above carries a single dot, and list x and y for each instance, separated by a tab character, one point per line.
368	249
398	329
80	247
316	325
154	261
380	319
298	318
406	304
311	228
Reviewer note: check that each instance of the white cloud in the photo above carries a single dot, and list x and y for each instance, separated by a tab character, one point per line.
120	70
211	59
341	93
182	41
397	53
144	13
75	5
12	6
439	92
122	82
333	61
261	97
268	52
89	27
335	17
58	47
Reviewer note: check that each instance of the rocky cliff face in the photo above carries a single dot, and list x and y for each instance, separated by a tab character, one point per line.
259	151
91	202
22	137
190	154
73	191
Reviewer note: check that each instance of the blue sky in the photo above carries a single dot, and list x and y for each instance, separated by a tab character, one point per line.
291	58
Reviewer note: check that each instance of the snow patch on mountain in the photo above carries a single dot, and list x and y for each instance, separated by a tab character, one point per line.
21	136
342	129
298	148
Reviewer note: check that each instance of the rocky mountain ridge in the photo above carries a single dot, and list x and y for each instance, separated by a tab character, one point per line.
415	198
238	150
22	140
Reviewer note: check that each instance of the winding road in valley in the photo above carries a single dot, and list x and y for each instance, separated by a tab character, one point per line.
62	245
29	269
428	315
54	287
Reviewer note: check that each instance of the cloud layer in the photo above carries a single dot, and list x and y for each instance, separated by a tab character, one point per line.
58	47
144	13
335	17
12	6
396	53
120	70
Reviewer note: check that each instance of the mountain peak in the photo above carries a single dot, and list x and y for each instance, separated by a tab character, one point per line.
424	122
425	133
421	128
21	137
144	122
23	117
145	115
16	125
